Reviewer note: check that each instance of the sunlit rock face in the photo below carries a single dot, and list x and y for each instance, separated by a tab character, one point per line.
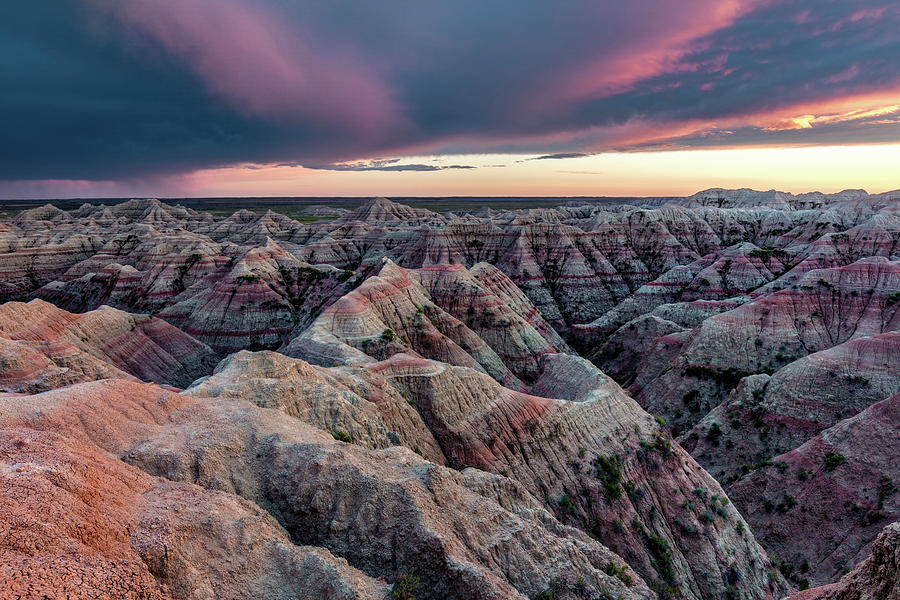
476	318
101	343
689	400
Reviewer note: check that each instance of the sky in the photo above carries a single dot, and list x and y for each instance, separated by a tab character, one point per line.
174	98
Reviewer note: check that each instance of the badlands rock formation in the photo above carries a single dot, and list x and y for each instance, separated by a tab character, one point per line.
476	318
94	345
79	524
878	576
389	513
587	401
840	483
593	457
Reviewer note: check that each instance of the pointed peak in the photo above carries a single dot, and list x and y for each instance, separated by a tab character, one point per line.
383	210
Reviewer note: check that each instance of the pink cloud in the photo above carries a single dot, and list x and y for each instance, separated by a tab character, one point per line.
664	37
866	14
247	56
846	75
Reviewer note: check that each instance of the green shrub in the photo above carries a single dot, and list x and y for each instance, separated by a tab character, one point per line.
634	492
405	588
662	557
833	461
660	443
692	400
787	503
608	470
767	253
858	379
619	572
565	502
713	435
550	592
342	436
728	377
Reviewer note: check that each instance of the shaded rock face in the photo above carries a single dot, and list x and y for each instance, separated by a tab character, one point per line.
486	457
827	308
819	506
753	388
878	576
765	415
776	374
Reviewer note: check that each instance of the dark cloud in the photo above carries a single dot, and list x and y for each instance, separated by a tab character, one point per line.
875	130
99	90
784	54
385	165
559	155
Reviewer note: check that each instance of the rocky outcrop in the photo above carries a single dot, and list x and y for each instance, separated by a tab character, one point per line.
249	228
383	211
388	512
78	523
819	506
26	269
827	308
766	416
346	402
37	366
720	280
476	318
143	346
257	302
878	576
595	458
598	461
641	350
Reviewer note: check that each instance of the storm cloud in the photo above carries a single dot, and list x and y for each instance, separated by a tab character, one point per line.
106	90
559	156
382	165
